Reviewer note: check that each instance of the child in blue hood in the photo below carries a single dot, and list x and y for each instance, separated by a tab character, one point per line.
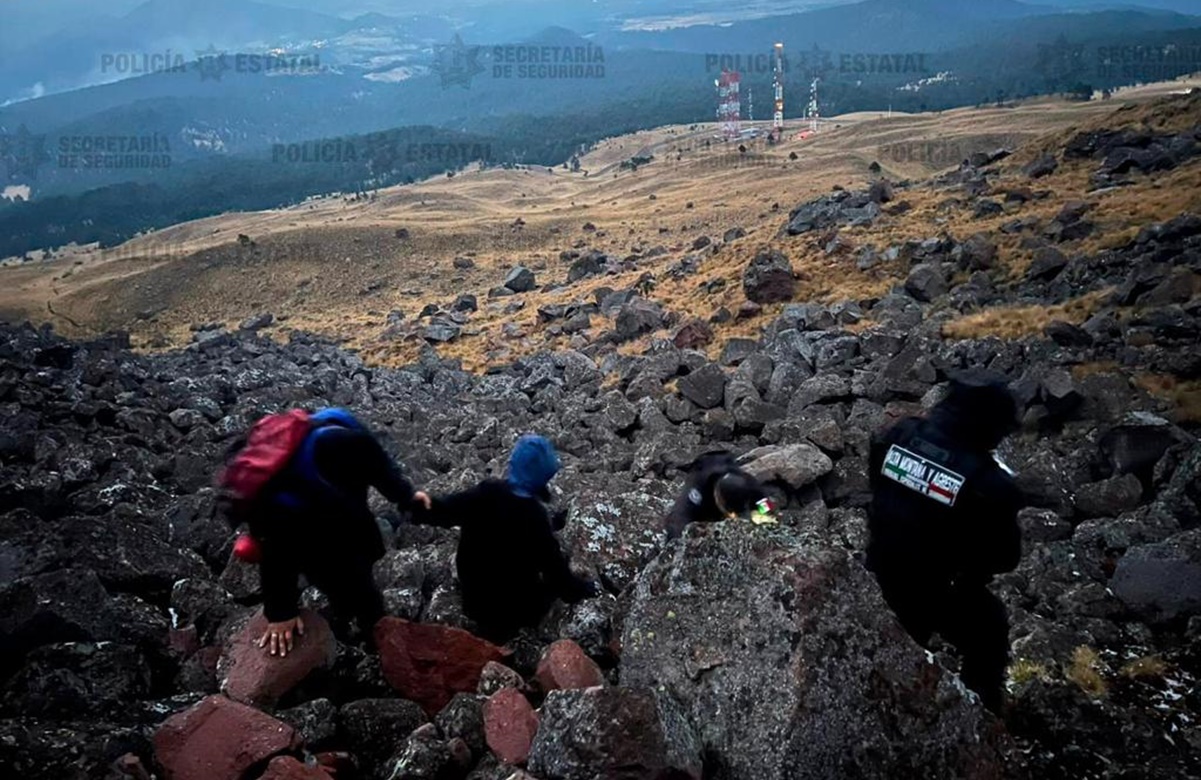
510	566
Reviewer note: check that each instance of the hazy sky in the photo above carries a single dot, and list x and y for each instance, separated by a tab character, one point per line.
63	9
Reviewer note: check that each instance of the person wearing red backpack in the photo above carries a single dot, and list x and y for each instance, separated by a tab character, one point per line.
299	481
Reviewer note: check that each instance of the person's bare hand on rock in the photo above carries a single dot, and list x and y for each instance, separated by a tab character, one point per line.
278	636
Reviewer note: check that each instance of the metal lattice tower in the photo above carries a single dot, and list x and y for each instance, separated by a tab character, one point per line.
812	111
729	103
778	90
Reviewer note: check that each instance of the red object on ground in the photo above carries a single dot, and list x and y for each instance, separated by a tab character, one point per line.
429	664
510	724
219	739
564	666
247	549
250	674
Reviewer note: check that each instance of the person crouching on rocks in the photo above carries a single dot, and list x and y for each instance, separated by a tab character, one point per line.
299	481
717	489
511	568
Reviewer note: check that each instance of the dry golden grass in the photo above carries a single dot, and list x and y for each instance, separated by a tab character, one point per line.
1087	671
1085	370
1150	667
1183	395
1024	670
336	267
1017	322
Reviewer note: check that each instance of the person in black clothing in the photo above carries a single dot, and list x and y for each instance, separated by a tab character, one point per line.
511	569
943	521
313	520
716	490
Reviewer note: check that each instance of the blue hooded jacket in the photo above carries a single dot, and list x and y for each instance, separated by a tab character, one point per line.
532	466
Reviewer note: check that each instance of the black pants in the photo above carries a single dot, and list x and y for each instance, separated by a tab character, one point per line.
970	617
501	612
352	594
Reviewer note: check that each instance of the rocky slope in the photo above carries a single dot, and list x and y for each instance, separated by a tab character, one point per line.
734	652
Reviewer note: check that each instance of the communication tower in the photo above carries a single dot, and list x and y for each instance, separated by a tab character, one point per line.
813	112
729	103
778	91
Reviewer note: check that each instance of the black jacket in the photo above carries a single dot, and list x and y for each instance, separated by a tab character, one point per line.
922	543
332	533
696	504
509	562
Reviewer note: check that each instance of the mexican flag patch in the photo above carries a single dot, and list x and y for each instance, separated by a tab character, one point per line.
924	476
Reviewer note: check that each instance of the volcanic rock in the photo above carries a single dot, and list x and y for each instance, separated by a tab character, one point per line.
736	624
219	739
612	733
564	665
510	724
769	278
429	664
252	676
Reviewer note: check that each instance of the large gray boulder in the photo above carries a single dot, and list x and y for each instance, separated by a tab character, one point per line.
789	664
926	282
705	387
795	465
615	522
637	318
613	734
1136	444
1162	582
521	279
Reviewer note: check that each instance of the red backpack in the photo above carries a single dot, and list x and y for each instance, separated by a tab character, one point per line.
272	443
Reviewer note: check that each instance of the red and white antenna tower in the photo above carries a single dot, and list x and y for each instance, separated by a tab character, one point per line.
813	112
729	104
777	123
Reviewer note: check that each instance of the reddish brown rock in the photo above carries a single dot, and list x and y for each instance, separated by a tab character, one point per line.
129	765
288	768
333	762
251	675
565	666
510	724
219	739
693	334
429	664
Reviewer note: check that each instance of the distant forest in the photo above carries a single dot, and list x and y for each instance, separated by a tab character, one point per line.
353	165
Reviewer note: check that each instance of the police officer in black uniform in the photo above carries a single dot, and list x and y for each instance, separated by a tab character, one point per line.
716	489
943	521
